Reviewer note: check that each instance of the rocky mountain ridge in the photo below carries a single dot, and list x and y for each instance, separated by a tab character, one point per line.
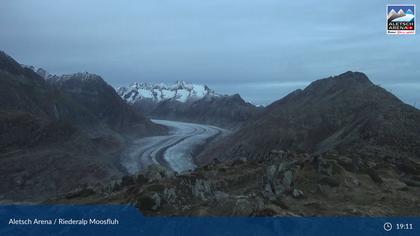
40	71
345	113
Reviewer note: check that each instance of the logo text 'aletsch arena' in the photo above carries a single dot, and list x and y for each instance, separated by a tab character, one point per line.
401	19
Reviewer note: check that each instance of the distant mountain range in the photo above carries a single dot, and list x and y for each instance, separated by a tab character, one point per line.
179	91
188	102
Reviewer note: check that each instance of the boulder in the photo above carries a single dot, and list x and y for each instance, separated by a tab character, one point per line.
201	189
169	195
297	193
246	206
220	196
243	207
278	178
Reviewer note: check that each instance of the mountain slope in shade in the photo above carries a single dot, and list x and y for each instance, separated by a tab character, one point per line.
98	102
93	93
224	111
346	113
58	135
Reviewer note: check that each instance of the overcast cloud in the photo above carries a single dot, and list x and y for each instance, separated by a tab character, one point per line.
262	49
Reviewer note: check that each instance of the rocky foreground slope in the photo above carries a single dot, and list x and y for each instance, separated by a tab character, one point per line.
283	184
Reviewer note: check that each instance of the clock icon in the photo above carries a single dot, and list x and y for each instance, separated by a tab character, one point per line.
387	226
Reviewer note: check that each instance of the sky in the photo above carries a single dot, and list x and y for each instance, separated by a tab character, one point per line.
261	49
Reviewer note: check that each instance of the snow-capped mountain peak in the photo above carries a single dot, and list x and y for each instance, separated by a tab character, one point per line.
180	91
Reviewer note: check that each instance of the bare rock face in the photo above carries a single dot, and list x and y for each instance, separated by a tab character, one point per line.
278	180
279	177
201	189
169	195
